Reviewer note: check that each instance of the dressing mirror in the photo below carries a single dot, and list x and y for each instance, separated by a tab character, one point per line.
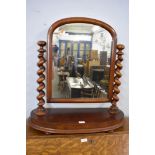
79	61
83	63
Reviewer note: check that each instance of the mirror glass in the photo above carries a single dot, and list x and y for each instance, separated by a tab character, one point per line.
81	56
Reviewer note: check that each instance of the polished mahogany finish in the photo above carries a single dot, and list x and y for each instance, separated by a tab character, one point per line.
41	110
68	121
115	99
49	60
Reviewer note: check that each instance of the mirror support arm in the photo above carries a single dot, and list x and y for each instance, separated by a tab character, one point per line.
40	109
118	75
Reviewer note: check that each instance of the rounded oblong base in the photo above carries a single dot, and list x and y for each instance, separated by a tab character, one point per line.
69	121
40	111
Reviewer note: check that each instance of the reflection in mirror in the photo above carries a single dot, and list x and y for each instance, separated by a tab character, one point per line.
81	61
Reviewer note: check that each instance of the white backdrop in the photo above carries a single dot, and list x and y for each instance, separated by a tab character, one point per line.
42	13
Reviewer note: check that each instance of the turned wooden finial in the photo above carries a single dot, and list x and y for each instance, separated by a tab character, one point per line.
118	75
41	110
41	43
120	46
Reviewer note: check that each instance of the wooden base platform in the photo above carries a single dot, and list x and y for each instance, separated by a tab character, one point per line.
69	121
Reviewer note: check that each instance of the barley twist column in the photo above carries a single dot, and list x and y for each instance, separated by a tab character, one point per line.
41	110
118	75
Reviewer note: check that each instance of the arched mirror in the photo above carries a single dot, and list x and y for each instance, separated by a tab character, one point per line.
80	61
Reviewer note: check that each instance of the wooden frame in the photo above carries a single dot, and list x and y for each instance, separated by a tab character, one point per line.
49	62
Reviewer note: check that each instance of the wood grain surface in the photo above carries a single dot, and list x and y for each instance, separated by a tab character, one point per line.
114	143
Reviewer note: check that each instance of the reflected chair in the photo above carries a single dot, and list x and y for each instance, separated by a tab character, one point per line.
62	61
97	91
105	83
62	81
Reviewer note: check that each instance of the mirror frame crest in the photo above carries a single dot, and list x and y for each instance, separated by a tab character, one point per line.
49	62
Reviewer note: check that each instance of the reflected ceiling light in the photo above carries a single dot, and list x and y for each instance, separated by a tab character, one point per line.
95	28
62	32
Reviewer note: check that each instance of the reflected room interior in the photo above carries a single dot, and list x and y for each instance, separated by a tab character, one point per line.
81	61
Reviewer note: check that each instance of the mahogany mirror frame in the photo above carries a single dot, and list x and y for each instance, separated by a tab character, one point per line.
49	61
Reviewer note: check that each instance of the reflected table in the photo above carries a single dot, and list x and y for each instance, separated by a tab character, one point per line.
75	85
